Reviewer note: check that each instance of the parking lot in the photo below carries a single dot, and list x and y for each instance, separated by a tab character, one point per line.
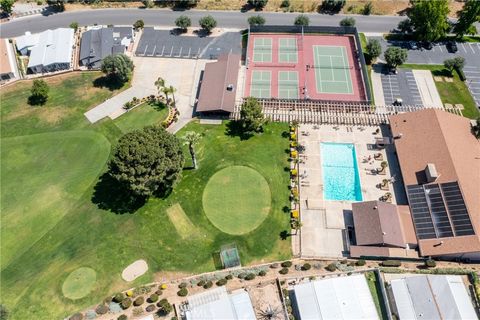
401	85
437	55
164	43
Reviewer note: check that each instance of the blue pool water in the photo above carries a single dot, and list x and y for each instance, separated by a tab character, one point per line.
340	172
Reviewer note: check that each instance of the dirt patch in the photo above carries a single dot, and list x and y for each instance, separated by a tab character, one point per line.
54	115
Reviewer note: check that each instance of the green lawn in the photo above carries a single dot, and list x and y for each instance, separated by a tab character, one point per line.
51	196
143	115
450	92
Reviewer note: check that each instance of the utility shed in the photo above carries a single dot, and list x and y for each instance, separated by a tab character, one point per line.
336	298
219	304
432	297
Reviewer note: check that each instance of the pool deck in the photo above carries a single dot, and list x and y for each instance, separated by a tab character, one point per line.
324	221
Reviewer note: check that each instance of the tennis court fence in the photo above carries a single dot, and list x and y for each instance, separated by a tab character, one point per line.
301	30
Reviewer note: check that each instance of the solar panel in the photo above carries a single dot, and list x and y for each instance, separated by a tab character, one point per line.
420	212
439	211
457	209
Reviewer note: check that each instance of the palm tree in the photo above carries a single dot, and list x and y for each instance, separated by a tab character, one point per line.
165	91
160	83
190	139
297	225
172	90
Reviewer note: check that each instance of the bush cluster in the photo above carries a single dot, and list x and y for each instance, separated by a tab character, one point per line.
262	273
208	284
391	263
250	276
283	271
286	264
331	267
221	282
122	317
229	277
101	309
126	303
306	266
201	283
153	298
150	308
183	292
139	301
360	263
430	263
182	285
119	297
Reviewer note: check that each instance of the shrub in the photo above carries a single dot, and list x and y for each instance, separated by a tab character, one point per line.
250	276
257	20
258	4
201	283
242	275
283	271
229	277
101	309
119	297
286	264
153	298
76	316
344	262
74	26
367	9
126	303
150	308
122	317
274	265
331	267
430	263
347	22
165	306
183	22
302	20
361	263
163	286
159	292
391	263
129	293
182	292
182	285
208	285
306	266
139	301
38	93
208	23
139	24
221	282
285	4
262	273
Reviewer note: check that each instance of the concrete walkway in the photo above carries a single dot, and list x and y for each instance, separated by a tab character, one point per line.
428	89
377	87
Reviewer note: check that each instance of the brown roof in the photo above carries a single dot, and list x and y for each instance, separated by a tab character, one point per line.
5	66
445	140
378	223
214	95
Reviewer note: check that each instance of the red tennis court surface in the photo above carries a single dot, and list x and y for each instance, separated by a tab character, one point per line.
312	66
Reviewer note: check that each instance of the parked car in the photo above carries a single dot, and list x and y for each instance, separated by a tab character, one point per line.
452	46
398	102
412	45
428	45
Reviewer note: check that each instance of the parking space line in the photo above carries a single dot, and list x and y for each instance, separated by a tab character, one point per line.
471	48
145	51
154	48
189	50
180	53
440	47
171	52
463	47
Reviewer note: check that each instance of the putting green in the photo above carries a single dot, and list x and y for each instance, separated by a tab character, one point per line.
79	283
237	199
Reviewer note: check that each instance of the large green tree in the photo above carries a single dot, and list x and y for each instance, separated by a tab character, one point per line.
395	56
7	6
251	116
302	20
118	67
373	49
183	22
429	19
467	17
38	93
147	161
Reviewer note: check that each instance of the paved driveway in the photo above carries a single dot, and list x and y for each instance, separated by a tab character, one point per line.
180	73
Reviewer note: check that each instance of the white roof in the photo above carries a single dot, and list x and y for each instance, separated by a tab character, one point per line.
218	304
48	47
336	298
432	297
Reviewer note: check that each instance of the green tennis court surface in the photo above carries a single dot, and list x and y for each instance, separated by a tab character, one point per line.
332	70
262	50
288	84
261	84
287	50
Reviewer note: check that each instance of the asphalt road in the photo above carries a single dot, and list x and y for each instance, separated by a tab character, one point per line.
166	17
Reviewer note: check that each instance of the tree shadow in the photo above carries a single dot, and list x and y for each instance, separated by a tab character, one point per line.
111	195
37	100
108	82
235	129
284	235
202	33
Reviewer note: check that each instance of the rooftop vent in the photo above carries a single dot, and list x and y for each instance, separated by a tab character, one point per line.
431	172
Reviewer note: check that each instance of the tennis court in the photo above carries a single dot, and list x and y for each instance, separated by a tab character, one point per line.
332	70
287	50
288	84
262	50
261	84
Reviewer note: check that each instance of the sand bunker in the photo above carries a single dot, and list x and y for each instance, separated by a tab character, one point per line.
135	270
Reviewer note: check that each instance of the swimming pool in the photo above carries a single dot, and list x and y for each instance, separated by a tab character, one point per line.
341	180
